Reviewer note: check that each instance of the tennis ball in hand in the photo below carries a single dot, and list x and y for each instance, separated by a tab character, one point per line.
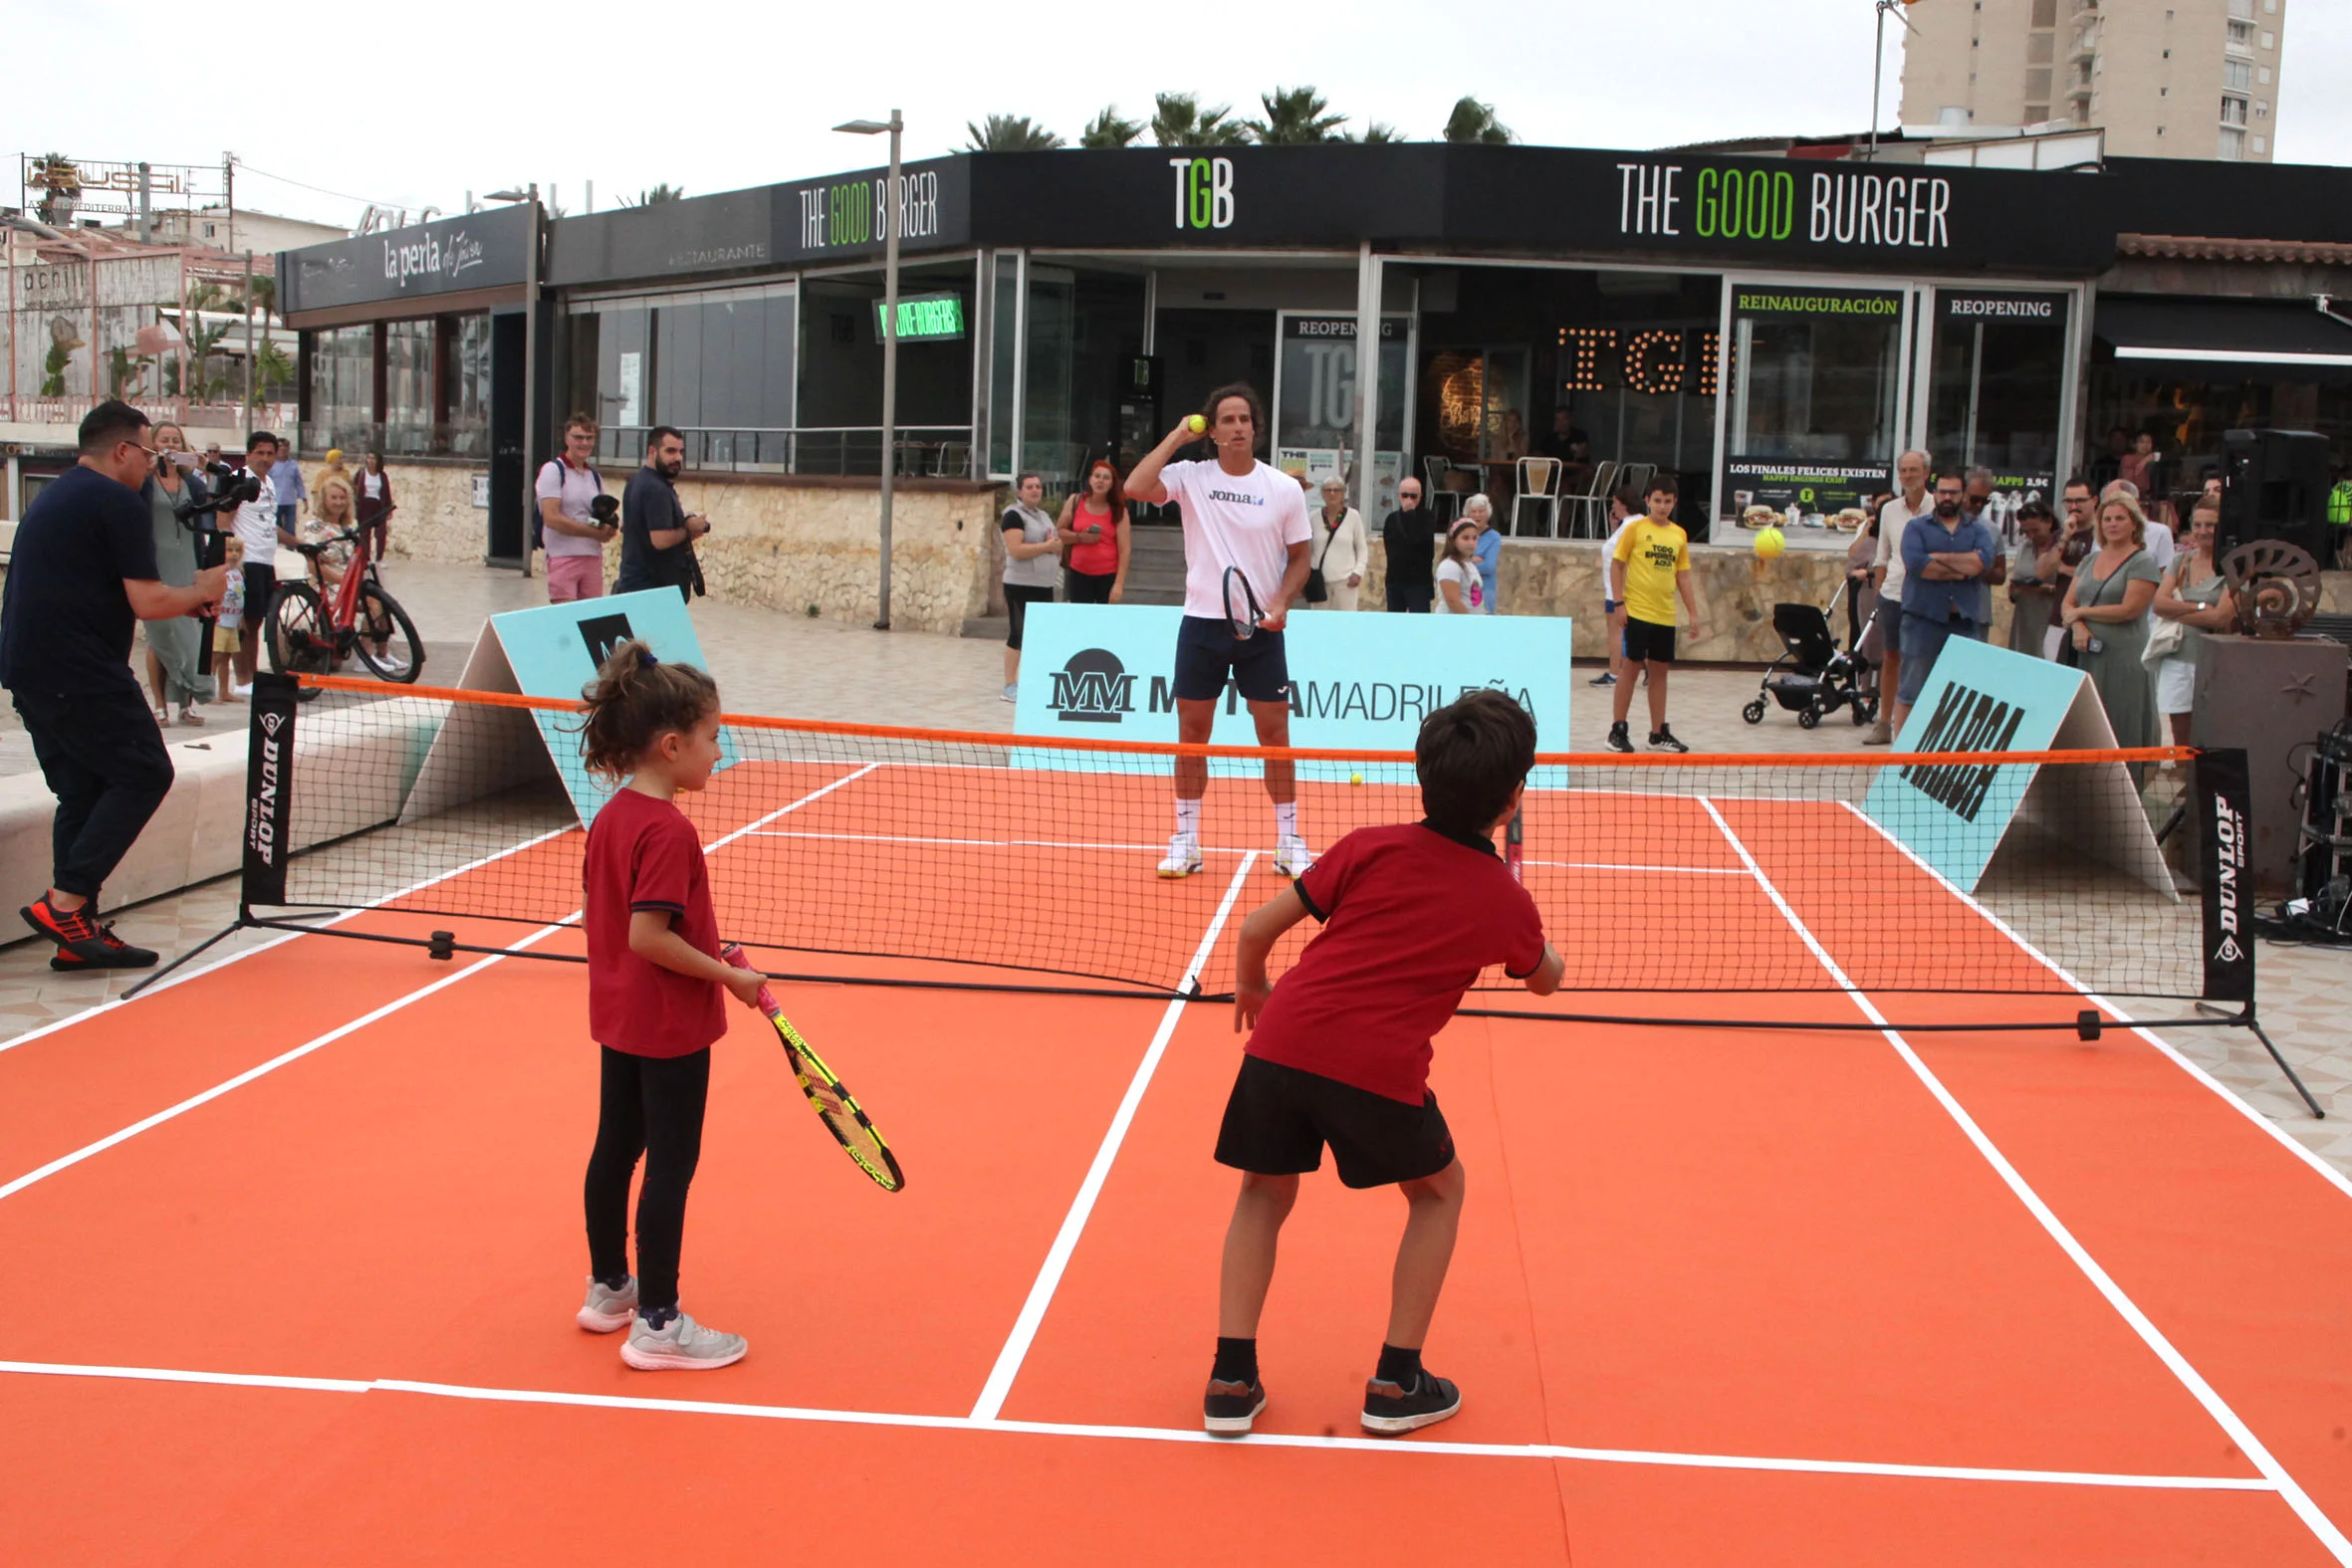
1769	542
1195	423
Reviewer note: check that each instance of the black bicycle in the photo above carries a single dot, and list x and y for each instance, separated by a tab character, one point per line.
314	626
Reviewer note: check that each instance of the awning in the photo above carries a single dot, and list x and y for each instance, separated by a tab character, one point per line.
2264	340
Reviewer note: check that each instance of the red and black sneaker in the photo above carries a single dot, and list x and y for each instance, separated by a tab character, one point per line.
77	934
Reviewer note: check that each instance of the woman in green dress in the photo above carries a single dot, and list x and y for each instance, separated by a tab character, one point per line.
175	656
2106	614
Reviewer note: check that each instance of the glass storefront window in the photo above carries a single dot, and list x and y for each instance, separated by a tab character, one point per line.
719	365
1816	401
343	390
1049	443
468	429
409	393
1997	371
1314	398
1004	361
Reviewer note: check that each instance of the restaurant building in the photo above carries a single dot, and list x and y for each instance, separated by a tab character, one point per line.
1775	330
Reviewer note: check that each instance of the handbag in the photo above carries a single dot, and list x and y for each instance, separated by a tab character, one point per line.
1317	591
2164	640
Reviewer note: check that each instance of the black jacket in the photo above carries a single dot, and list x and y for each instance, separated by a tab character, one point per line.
1411	540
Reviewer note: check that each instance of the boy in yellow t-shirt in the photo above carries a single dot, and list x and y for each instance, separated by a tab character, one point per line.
1652	563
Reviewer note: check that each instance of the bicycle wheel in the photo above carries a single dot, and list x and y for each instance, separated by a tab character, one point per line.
300	643
387	637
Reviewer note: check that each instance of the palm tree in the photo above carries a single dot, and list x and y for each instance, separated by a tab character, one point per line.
1296	118
1378	130
664	191
1106	129
1178	120
1476	122
1010	134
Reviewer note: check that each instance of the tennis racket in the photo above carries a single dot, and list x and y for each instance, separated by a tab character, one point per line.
1513	840
840	1113
1241	604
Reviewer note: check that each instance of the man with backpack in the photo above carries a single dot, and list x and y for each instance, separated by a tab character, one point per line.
566	528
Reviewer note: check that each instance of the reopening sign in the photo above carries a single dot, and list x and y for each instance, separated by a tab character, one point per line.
1358	681
1957	815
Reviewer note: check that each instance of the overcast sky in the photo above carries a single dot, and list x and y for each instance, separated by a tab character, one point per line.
419	103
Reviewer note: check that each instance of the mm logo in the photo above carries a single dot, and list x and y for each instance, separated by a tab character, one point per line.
1092	688
1204	192
603	633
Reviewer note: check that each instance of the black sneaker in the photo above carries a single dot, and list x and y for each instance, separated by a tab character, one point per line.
1661	740
1391	1409
1619	740
1231	1406
80	936
1605	678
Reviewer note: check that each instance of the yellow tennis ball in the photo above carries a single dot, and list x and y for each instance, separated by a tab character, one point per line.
1769	542
1195	423
1355	778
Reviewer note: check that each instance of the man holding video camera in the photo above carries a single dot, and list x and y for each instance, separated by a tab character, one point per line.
82	571
656	533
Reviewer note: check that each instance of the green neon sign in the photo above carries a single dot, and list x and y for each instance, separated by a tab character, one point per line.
925	318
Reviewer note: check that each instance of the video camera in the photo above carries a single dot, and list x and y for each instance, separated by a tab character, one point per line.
605	510
231	488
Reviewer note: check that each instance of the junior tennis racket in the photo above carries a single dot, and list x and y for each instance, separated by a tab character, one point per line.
1241	604
1513	843
840	1113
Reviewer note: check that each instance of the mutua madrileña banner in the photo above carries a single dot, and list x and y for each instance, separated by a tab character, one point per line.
1358	682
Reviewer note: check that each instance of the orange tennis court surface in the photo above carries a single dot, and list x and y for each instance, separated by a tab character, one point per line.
297	1245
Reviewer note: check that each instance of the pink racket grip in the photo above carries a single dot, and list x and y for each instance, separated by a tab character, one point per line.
732	953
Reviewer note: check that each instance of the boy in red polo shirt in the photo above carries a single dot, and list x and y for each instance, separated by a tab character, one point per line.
1340	1055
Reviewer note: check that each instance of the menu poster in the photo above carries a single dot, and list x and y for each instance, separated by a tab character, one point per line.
1817	489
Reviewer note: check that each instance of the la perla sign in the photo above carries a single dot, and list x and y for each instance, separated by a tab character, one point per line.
1204	192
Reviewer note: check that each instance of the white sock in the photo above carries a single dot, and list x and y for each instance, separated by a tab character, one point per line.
1188	818
1286	820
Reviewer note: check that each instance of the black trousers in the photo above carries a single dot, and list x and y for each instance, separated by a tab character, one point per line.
1411	598
104	762
1087	587
649	1105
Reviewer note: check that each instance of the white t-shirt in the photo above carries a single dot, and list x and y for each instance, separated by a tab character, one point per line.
1893	517
1464	575
574	491
2160	548
1249	520
1608	553
257	525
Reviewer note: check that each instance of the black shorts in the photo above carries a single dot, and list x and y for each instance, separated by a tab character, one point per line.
1279	1119
260	586
1018	600
1088	587
1207	652
1647	641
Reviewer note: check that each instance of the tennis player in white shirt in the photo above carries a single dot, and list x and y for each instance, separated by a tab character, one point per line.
1238	513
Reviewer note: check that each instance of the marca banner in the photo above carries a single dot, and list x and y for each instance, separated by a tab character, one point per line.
269	794
1985	699
2225	834
1358	682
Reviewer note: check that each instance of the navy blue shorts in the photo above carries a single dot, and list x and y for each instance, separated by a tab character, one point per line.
1207	652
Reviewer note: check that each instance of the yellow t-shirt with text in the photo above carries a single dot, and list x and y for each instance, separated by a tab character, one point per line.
1653	552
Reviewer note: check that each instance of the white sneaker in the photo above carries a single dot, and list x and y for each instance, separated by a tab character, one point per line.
608	1311
1011	693
1291	856
681	1345
1184	856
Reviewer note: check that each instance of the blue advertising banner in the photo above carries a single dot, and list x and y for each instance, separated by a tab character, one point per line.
1980	699
1358	682
557	649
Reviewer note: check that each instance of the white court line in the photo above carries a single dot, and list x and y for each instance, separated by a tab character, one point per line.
2205	1393
1041	1294
181	977
1602	865
1055	1429
2334	1177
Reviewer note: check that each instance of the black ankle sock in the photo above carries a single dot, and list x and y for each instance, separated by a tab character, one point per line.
658	1319
1237	1361
617	1285
1401	1367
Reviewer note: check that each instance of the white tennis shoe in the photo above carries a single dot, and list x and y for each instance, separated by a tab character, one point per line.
1291	856
1184	856
681	1345
608	1311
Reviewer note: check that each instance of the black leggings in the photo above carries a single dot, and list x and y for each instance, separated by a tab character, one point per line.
649	1105
1087	587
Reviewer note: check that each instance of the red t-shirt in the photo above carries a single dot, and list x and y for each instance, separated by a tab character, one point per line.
1411	917
1102	557
642	854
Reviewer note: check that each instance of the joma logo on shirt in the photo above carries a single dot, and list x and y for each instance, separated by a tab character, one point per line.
1242	497
1965	720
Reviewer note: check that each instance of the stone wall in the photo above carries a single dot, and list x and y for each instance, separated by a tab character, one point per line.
800	544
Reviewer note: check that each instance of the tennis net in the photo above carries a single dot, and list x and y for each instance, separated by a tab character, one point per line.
844	852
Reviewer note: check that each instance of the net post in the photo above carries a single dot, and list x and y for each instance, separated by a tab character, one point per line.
268	793
2223	794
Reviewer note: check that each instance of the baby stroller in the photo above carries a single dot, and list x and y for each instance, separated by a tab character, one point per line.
1813	675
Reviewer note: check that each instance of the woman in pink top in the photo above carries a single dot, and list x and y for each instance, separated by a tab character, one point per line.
1093	525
